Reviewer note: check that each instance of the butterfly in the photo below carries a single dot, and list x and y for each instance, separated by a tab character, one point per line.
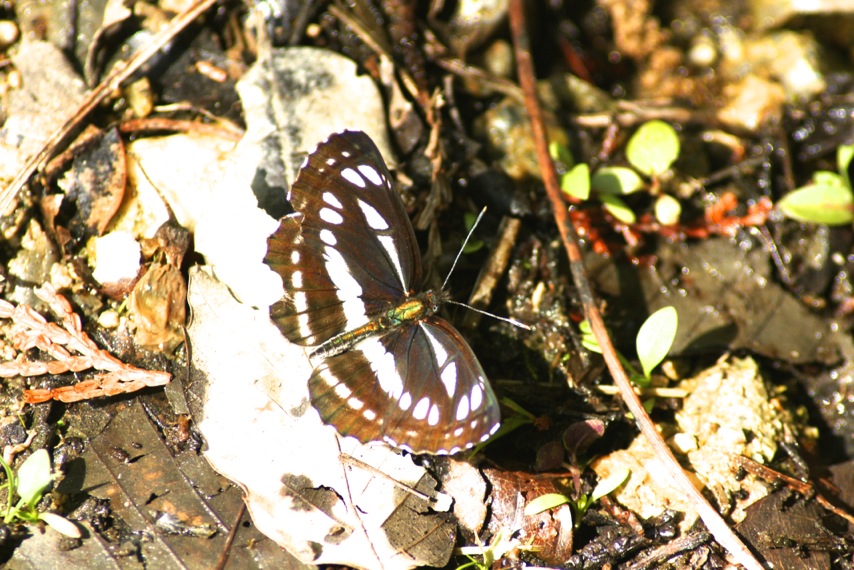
387	367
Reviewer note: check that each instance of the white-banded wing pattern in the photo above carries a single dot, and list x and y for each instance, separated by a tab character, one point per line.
387	368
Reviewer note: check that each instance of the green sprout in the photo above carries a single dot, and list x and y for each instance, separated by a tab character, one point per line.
651	151
29	484
580	507
652	343
828	200
498	548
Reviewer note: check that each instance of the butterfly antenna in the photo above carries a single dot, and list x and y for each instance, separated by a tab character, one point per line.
513	322
476	310
463	247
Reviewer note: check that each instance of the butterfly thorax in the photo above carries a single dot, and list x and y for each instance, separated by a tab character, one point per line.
410	310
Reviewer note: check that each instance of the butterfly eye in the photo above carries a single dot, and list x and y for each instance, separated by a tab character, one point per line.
387	368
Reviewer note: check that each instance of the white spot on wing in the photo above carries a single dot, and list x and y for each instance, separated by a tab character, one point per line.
300	301
343	391
349	291
388	245
369	415
375	220
383	365
405	401
476	396
449	378
331	161
371	174
296	279
302	325
433	416
330	199
353	177
328	237
438	350
331	216
328	378
463	409
295	256
355	403
419	412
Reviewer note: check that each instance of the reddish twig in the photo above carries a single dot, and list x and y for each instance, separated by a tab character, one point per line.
61	341
715	523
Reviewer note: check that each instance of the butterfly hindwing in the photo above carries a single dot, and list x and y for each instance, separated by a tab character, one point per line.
418	387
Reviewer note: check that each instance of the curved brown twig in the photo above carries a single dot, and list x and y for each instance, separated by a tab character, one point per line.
714	522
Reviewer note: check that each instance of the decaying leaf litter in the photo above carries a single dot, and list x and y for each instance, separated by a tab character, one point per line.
444	108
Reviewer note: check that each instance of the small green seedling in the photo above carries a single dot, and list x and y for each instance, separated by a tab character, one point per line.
653	342
829	199
580	507
30	482
490	553
655	338
653	148
651	151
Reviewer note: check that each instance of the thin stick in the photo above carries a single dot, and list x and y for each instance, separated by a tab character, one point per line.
111	83
714	522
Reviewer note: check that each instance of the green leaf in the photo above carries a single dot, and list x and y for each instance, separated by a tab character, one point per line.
34	476
576	182
655	338
667	209
561	154
61	524
616	180
844	154
617	208
610	484
819	204
588	339
827	178
653	148
545	502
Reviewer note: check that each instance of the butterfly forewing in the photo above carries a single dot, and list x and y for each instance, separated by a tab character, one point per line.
386	368
349	251
418	387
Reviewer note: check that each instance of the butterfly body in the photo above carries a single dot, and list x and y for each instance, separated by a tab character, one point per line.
416	308
387	367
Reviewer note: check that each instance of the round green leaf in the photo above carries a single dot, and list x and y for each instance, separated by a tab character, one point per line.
617	208
667	209
653	148
827	178
616	180
34	476
655	338
819	204
545	502
576	182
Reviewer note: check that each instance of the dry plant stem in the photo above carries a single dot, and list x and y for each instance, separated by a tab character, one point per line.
714	522
33	331
110	84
